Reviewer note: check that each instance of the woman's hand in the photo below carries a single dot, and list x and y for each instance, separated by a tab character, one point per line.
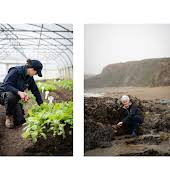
23	95
120	124
26	98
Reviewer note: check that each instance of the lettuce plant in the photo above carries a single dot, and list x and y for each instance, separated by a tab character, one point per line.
48	119
53	85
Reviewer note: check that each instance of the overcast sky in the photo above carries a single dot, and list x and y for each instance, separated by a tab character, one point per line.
108	44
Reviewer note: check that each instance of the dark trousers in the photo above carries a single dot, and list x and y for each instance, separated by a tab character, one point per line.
12	106
134	122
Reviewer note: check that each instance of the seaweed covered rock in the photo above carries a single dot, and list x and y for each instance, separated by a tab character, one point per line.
157	117
163	124
97	135
101	109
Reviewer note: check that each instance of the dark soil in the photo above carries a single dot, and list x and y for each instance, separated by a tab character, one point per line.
101	117
63	95
53	146
12	143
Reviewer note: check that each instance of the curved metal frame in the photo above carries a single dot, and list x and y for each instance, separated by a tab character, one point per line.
61	56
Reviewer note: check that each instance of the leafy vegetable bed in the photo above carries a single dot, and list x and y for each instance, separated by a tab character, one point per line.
49	119
53	85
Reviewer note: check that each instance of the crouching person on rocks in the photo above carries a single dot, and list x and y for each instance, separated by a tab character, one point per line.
131	115
19	79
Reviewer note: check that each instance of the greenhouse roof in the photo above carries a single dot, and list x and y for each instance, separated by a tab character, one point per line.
49	43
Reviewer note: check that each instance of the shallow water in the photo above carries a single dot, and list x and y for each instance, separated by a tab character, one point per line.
126	146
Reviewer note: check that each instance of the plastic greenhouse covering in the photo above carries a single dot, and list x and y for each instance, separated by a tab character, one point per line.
52	44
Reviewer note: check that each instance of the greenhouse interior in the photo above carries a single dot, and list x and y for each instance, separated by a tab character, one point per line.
50	43
36	115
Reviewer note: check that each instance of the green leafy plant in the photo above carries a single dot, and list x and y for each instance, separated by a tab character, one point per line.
66	84
48	118
53	85
47	86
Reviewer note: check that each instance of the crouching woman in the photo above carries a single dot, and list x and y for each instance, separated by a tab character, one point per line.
131	116
19	79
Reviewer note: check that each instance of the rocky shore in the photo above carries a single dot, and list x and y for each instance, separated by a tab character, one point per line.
102	137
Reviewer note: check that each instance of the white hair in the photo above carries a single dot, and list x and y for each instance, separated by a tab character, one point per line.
124	98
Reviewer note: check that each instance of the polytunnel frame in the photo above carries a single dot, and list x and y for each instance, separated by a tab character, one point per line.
58	63
59	55
67	66
53	50
13	40
52	44
48	30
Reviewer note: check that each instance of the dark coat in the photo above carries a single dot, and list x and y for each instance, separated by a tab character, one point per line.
128	114
17	80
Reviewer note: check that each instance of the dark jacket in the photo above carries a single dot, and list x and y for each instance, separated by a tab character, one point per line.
127	114
17	80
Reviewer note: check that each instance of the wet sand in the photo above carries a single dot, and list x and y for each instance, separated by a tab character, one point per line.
145	93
